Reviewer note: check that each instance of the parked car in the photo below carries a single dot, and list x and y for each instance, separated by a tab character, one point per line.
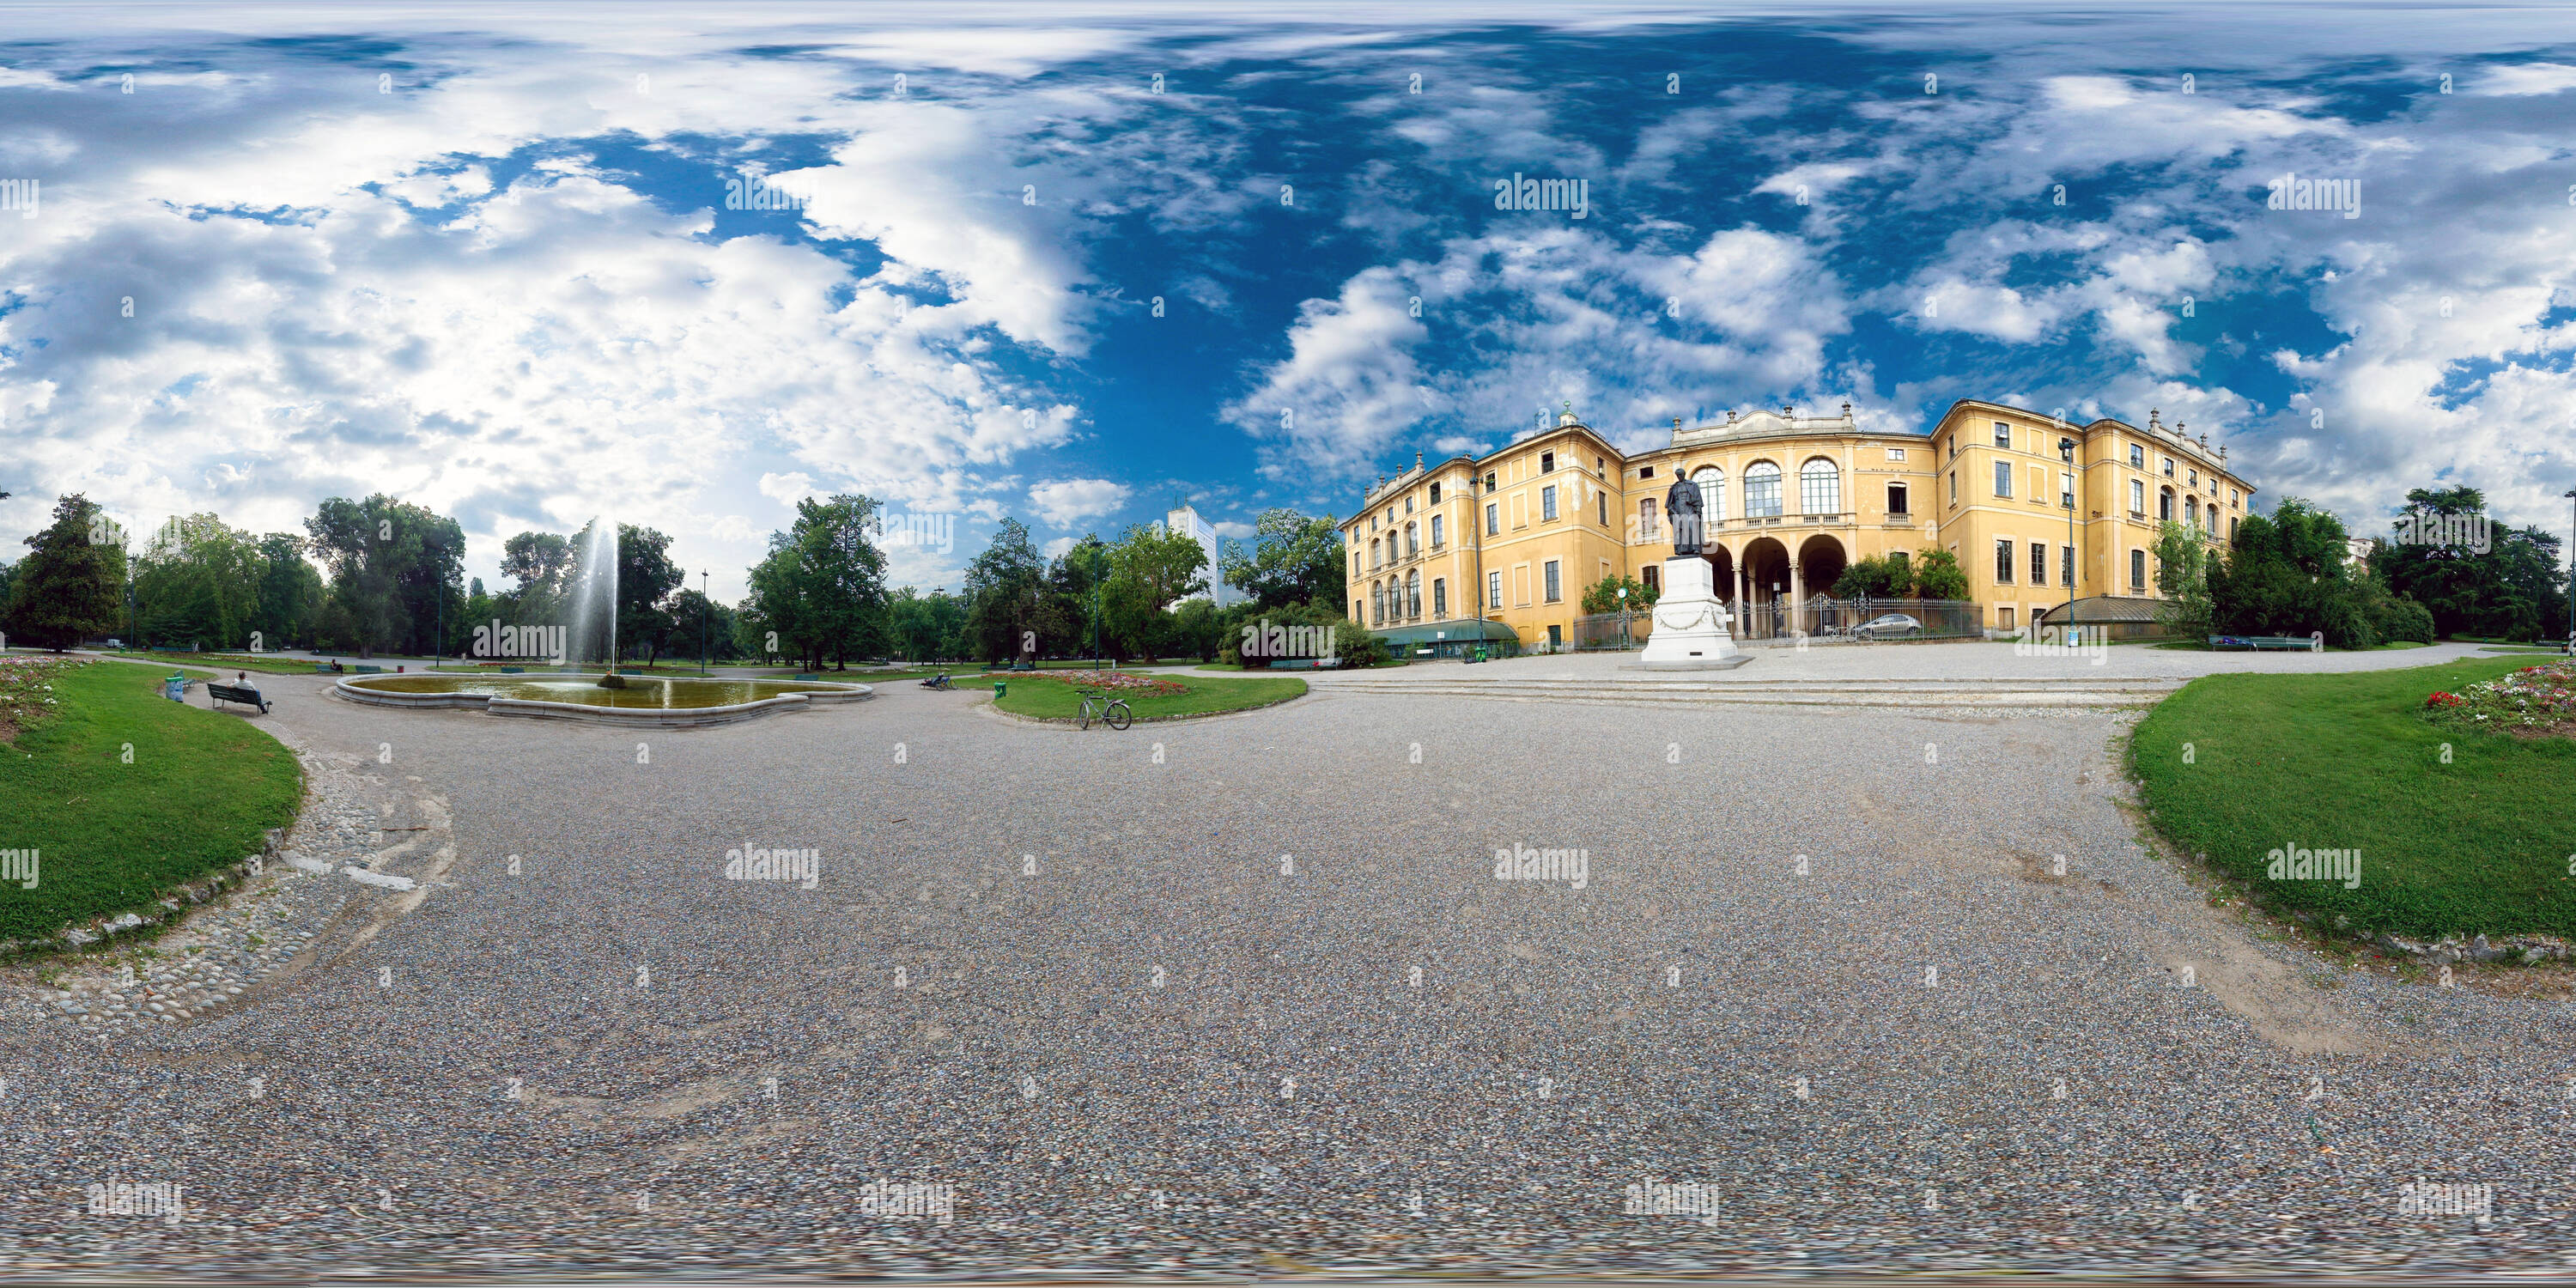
1889	626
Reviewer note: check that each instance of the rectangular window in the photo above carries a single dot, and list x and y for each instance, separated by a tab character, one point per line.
1356	607
2168	466
1408	505
1436	527
2193	480
1553	589
1652	575
2231	529
2003	617
1489	480
2003	561
2038	563
1435	494
2137	570
1896	498
1645	471
2138	498
2065	492
1547	462
2003	479
1954	487
2066	565
1896	453
1493	519
1547	503
2231	498
1954	448
1646	529
1603	505
2003	436
1440	597
2137	456
1494	588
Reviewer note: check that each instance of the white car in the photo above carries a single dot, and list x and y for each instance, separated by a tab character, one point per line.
1889	626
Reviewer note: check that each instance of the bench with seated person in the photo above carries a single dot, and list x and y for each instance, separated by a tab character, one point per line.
235	694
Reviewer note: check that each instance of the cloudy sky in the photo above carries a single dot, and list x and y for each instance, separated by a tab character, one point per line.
1074	263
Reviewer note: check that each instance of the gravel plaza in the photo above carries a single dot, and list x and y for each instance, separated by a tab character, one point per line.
1244	995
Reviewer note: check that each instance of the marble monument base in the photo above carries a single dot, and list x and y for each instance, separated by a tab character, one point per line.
1690	623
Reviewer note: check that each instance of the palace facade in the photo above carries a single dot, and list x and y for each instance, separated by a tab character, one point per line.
1481	547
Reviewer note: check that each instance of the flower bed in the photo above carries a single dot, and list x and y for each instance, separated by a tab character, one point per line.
1115	681
2535	699
27	690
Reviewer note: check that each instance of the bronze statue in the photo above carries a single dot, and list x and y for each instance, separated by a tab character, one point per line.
1681	506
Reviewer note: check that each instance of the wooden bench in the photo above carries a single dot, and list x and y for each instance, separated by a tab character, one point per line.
223	693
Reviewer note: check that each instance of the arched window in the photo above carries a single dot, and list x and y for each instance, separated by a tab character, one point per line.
2164	505
2191	512
1413	593
1820	487
1376	559
1712	494
1377	603
1762	490
1412	541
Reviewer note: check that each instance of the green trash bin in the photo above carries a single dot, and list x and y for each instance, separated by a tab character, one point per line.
1001	687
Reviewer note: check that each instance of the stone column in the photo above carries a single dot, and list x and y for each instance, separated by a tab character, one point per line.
1797	592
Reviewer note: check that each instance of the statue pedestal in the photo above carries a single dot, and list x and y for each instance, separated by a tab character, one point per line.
1690	623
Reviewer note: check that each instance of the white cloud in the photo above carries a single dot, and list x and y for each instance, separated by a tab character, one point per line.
1054	549
1068	501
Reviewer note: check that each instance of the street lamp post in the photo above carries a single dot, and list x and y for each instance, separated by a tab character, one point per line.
2066	451
706	657
2571	576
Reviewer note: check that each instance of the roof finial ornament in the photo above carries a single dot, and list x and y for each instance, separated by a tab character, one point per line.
2151	419
1847	409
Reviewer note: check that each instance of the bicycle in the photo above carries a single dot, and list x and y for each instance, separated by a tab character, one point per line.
1113	711
939	681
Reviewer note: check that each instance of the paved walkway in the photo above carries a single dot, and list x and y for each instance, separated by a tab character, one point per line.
1148	1001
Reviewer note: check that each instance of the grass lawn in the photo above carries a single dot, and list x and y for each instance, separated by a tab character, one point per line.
264	663
111	835
1050	698
2347	762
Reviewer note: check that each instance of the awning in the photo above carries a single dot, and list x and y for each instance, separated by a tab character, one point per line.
1449	632
2101	610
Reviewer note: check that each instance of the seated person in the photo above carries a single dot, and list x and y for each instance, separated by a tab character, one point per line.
242	680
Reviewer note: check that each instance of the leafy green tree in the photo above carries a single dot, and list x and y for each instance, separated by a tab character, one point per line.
1072	604
290	593
2182	582
646	577
1296	559
1603	596
391	563
2287	574
1889	576
822	587
697	623
927	628
69	587
542	564
1198	629
2511	590
1150	570
1003	592
196	584
1937	576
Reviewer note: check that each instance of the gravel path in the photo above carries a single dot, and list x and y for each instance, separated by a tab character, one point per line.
1822	961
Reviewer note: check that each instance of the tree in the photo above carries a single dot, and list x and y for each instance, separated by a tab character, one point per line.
290	593
1889	576
645	579
2512	589
926	628
822	587
1603	596
196	584
1937	576
2182	581
1296	559
696	622
1150	569
70	586
542	564
392	566
1002	593
2289	575
1198	629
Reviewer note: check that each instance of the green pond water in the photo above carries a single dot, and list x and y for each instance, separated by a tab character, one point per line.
640	691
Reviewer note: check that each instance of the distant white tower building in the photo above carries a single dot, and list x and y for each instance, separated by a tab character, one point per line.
1187	522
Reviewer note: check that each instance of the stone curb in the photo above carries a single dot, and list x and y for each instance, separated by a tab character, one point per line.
133	925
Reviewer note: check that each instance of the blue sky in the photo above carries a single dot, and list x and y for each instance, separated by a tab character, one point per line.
480	258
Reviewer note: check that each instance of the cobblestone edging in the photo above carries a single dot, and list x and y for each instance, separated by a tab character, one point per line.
172	904
2523	950
631	717
1076	721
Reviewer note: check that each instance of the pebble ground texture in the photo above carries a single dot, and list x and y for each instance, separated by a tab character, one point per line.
1244	995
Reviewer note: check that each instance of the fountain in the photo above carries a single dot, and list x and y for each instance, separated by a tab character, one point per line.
594	600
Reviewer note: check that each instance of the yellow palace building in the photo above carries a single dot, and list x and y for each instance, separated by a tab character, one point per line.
1504	545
